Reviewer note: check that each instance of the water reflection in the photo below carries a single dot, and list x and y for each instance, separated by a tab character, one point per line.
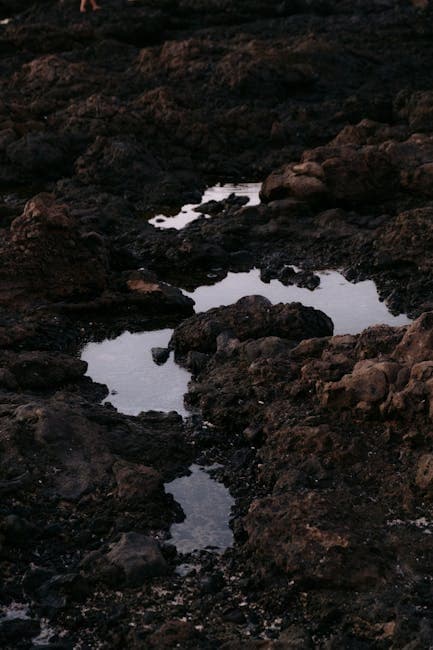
207	505
352	307
216	193
135	381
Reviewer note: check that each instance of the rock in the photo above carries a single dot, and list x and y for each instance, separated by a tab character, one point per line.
16	630
118	161
417	342
38	153
212	584
173	633
42	370
160	355
137	557
61	590
235	616
126	114
335	175
424	475
137	482
251	317
44	256
196	361
17	530
367	384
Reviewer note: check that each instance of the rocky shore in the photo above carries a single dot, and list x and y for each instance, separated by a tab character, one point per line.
112	117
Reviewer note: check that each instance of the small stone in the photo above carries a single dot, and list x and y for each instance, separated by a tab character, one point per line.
235	616
160	355
212	584
252	433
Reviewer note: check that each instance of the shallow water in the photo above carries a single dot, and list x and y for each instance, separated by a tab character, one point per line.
207	505
216	193
45	635
137	384
14	611
126	366
352	307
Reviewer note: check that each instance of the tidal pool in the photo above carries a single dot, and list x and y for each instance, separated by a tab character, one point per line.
136	383
216	193
207	505
14	611
352	307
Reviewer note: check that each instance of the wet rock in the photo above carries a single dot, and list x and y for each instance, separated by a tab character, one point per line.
307	280
196	361
137	558
160	355
251	317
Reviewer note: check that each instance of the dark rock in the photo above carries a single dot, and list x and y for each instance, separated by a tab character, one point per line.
173	633
212	584
160	355
16	630
251	317
45	256
138	558
235	616
17	530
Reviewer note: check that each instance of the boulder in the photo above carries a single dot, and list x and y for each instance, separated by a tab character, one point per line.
46	256
137	557
251	317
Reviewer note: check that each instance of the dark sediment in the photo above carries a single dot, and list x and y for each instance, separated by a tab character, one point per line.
108	118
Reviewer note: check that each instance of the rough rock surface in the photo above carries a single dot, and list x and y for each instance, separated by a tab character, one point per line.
342	473
110	117
250	317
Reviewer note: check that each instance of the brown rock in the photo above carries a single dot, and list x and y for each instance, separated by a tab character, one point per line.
136	482
424	474
137	557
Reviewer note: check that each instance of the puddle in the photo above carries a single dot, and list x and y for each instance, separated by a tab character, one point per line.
46	634
136	383
216	193
352	307
207	505
14	611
